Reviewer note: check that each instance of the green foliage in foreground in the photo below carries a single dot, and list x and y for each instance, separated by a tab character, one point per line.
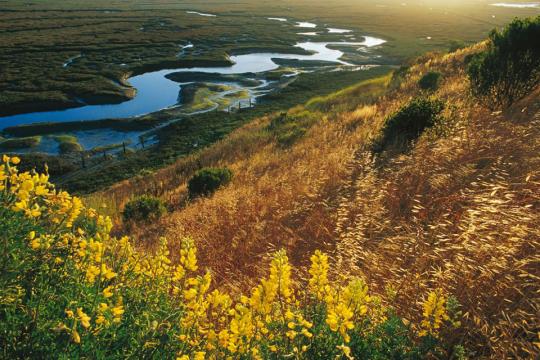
409	122
206	181
510	67
144	208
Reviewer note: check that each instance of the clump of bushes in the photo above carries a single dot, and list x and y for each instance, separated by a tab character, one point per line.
409	122
144	208
510	67
430	81
207	180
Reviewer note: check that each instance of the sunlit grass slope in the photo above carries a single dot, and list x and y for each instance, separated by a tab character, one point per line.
69	290
457	209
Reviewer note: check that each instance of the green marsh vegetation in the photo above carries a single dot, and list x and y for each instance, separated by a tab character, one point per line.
60	52
57	53
20	143
67	144
189	134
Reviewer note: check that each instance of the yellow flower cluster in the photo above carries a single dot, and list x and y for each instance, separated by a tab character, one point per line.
35	196
111	279
434	313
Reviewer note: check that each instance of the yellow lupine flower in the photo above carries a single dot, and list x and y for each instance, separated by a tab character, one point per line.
100	319
339	320
91	273
35	244
117	312
108	292
83	318
75	337
106	272
434	313
346	351
291	334
41	190
318	283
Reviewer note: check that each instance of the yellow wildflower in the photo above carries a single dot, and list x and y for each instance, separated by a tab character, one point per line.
339	320
83	318
434	313
318	283
199	355
75	337
107	292
346	351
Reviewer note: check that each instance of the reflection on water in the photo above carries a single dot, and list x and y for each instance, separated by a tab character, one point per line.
156	92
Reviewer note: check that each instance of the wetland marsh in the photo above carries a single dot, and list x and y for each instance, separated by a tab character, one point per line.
108	72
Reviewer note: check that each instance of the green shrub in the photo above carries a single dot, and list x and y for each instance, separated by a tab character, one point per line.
510	67
409	122
207	180
144	208
430	81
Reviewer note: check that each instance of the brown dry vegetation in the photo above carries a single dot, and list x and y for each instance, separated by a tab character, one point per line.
460	210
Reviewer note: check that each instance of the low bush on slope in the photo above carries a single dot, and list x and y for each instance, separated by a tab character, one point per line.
206	181
510	67
143	209
70	290
409	123
430	81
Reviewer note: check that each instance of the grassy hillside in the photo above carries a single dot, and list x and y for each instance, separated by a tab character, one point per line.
457	210
388	220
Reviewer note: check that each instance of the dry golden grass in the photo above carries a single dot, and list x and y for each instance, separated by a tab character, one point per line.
459	211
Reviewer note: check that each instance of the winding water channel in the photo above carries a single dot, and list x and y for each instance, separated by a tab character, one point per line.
155	92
